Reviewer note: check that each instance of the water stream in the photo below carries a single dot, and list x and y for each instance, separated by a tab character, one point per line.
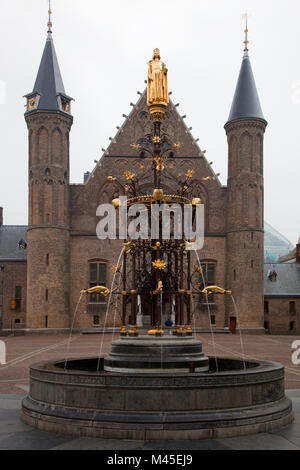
208	311
240	332
116	303
107	310
72	327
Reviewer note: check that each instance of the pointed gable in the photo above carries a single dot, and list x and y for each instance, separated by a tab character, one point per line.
138	124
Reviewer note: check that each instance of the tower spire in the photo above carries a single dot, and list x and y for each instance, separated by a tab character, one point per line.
49	19
246	102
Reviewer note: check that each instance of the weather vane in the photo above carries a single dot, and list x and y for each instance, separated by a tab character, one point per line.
246	42
49	19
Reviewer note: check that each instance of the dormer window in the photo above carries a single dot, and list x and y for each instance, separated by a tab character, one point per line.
22	244
32	102
64	103
272	275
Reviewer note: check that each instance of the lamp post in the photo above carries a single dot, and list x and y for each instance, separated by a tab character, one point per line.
2	267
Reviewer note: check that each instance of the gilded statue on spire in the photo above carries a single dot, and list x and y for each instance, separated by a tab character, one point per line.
157	88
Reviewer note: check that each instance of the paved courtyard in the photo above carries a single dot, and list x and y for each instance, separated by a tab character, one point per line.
23	351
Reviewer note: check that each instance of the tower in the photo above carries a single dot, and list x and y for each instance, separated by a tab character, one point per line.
49	122
245	232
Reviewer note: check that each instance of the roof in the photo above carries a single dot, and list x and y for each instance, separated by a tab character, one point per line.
246	102
49	82
10	236
275	244
287	282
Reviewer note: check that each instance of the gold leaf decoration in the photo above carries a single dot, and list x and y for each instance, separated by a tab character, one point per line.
159	264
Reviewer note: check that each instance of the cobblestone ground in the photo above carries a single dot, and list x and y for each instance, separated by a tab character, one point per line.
22	351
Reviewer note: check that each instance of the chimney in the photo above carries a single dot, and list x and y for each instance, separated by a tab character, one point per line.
1	216
298	252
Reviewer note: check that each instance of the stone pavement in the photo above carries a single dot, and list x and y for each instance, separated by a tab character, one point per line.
14	435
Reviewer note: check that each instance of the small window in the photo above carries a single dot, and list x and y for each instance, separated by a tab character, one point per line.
252	263
18	297
213	320
97	278
292	325
46	321
47	259
96	320
46	295
234	275
17	320
266	325
292	307
266	306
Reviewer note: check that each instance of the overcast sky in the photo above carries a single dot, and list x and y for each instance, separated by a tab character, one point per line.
103	48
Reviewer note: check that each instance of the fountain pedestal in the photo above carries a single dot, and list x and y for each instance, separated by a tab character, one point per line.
146	354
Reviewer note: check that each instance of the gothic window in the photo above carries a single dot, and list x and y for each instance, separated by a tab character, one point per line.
97	278
18	297
292	307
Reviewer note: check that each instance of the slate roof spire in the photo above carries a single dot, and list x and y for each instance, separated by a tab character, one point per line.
49	84
246	102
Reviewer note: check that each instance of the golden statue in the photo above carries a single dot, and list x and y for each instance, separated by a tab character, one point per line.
157	89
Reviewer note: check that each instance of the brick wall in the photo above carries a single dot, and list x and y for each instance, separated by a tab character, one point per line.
13	275
280	315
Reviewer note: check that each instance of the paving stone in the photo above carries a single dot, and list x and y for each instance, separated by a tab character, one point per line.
263	441
206	444
31	440
86	443
8	404
13	425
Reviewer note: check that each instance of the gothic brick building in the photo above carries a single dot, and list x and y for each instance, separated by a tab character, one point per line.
61	248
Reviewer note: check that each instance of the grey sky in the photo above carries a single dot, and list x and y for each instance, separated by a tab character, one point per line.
103	48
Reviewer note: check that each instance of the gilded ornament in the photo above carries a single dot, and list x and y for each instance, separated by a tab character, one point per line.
159	264
190	173
129	176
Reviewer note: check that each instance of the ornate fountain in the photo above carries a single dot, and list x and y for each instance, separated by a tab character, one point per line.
154	385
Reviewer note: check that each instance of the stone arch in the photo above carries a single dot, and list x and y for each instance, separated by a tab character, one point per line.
42	155
246	152
233	155
57	146
258	154
32	149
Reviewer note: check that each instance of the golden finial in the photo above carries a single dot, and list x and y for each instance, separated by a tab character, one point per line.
49	19
246	42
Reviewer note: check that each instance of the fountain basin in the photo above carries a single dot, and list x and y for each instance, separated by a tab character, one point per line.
80	401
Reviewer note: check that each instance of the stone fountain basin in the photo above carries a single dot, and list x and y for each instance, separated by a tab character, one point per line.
80	401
